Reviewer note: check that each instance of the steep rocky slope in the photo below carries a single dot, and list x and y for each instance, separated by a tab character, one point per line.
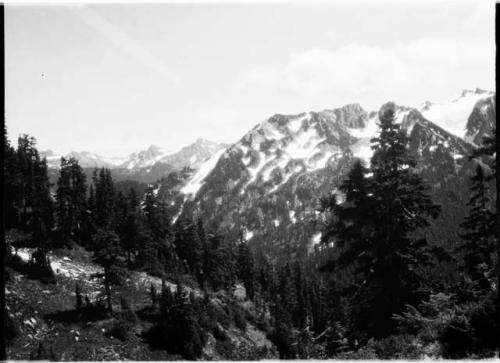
267	186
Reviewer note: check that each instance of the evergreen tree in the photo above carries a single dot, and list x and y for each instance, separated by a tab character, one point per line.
480	244
12	185
220	263
34	201
246	268
108	253
188	245
71	200
374	229
104	198
178	327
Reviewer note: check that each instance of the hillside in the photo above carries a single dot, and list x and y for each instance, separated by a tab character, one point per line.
45	314
268	184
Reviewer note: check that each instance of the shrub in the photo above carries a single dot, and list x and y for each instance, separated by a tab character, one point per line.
396	347
219	333
127	313
120	330
218	314
239	320
39	268
456	338
11	329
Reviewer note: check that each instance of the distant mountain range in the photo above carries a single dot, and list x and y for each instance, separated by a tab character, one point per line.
147	165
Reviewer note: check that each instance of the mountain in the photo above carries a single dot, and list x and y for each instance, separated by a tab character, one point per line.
268	185
144	166
86	159
144	158
462	116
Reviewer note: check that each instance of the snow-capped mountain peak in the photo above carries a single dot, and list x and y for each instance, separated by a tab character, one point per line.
145	158
453	116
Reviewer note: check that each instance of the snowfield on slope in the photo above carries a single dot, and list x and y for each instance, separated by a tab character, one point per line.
198	178
453	116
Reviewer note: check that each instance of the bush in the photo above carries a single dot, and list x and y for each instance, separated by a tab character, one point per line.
364	353
216	313
282	336
456	338
119	330
219	333
127	314
39	268
226	349
396	347
239	320
11	329
263	324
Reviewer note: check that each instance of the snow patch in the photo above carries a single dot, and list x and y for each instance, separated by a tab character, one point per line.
291	214
369	131
304	145
295	124
194	185
248	235
453	116
320	163
362	150
25	254
316	238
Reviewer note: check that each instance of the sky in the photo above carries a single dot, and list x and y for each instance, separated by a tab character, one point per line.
116	78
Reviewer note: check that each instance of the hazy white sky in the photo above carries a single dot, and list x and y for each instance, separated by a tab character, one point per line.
114	79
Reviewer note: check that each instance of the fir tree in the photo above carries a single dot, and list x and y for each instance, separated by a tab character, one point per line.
178	327
108	253
374	228
220	263
480	244
71	200
12	185
246	268
34	202
104	198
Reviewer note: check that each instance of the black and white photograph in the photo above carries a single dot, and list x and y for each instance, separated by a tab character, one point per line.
250	180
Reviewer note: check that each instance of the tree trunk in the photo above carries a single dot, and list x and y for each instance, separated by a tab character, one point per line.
108	289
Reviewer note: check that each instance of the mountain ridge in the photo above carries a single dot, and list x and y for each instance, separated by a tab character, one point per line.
275	174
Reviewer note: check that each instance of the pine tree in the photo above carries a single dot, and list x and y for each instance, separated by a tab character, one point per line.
34	201
108	253
246	268
178	327
480	244
104	198
374	229
220	263
188	245
71	200
12	185
156	214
